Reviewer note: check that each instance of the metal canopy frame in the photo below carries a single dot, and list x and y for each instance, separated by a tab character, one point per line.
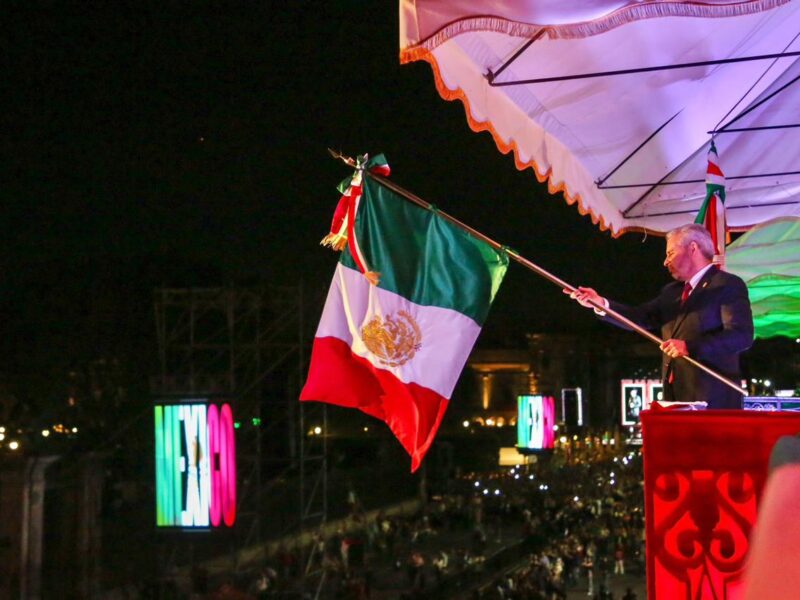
703	63
724	128
727	178
491	77
727	209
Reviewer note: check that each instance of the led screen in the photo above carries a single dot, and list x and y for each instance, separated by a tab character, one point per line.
535	421
195	465
637	395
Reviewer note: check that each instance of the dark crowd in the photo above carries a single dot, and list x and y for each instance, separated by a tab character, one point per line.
584	524
571	522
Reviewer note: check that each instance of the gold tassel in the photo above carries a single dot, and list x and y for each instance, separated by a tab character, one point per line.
336	241
373	277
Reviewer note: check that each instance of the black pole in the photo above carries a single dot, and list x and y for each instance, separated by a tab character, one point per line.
703	63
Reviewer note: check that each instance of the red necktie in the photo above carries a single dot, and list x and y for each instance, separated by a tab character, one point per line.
687	289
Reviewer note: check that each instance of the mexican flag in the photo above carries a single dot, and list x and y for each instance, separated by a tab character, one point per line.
396	349
712	212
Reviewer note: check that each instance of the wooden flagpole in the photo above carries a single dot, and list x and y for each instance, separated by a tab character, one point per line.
530	265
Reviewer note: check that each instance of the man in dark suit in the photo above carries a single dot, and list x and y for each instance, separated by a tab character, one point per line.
705	314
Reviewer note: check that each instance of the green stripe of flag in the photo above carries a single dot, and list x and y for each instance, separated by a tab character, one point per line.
423	257
715	188
711	189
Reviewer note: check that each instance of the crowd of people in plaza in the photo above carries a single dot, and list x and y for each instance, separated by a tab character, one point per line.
585	523
522	533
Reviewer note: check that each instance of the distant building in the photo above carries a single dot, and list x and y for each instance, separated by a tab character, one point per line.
498	377
594	362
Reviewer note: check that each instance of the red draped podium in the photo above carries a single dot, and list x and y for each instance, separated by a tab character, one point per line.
704	472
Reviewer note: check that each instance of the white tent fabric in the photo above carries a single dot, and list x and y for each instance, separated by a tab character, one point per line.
603	141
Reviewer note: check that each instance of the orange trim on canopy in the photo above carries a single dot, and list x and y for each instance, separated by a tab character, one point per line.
446	93
419	53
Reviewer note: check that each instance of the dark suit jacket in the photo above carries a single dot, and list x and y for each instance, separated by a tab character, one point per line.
717	325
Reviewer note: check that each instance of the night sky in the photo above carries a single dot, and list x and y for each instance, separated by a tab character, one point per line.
146	148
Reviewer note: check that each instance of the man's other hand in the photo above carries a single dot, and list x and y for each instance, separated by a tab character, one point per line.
674	348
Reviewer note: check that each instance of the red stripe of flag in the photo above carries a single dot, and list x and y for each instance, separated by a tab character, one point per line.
412	412
714	169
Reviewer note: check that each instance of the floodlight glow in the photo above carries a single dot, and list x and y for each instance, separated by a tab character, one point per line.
195	465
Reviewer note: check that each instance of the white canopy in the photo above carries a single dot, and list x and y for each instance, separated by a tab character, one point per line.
622	145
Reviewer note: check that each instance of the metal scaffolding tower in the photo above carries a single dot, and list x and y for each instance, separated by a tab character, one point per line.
247	345
313	492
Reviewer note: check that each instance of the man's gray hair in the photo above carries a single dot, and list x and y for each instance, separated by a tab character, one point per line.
694	232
